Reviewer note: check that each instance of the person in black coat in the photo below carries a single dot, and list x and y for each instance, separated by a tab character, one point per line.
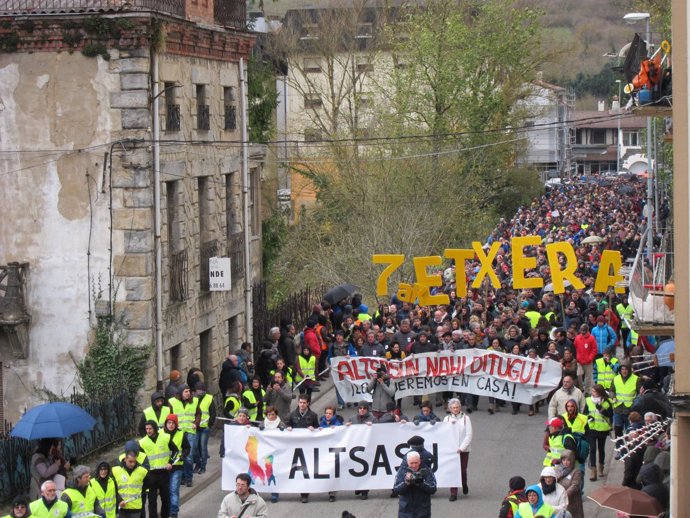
651	478
651	400
415	484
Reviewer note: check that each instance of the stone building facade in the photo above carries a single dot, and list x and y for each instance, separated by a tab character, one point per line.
77	177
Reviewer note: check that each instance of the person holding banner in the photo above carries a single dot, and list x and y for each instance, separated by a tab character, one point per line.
415	485
464	431
303	417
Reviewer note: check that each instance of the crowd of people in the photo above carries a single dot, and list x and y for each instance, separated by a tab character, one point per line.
587	332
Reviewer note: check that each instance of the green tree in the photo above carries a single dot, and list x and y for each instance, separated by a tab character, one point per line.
437	165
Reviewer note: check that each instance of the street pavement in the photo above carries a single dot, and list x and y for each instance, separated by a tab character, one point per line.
503	445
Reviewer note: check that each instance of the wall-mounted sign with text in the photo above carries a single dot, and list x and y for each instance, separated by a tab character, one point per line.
219	274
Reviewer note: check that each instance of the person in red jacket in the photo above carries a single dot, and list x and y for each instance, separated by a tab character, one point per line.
311	340
586	352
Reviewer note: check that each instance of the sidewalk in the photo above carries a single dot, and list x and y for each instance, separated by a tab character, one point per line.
613	476
214	466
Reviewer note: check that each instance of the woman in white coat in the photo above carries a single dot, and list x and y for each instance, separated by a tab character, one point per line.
554	494
463	427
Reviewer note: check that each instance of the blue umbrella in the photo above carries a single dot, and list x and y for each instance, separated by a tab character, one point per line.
53	420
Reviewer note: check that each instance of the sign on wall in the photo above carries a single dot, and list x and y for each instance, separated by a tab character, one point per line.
219	274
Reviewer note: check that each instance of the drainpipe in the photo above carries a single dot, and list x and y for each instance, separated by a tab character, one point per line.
157	221
248	317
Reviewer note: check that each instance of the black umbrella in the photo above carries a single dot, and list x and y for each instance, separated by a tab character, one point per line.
339	293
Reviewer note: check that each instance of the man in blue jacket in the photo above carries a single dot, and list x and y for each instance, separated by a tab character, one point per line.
604	335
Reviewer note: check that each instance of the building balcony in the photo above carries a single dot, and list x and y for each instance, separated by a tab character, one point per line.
652	289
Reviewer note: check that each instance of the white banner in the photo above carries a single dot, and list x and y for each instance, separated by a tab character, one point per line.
470	371
353	457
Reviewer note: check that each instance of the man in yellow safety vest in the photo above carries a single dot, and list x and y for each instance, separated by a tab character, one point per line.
207	408
129	485
48	505
103	486
186	407
161	452
80	496
157	412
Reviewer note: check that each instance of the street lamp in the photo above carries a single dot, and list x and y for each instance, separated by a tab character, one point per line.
618	135
633	18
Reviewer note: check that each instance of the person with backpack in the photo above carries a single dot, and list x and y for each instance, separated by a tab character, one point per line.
516	496
559	440
599	411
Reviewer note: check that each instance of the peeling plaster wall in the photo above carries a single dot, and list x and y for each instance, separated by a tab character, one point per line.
51	200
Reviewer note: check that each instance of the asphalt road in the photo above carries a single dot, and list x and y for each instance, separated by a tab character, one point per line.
504	445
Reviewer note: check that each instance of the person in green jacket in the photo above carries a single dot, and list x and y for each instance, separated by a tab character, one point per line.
535	505
48	505
20	508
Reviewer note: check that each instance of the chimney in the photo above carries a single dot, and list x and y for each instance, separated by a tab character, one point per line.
602	106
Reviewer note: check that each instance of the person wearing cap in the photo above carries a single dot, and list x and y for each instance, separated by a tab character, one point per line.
157	412
186	407
20	508
553	493
103	486
207	408
129	485
414	483
516	496
80	496
180	440
463	429
535	505
48	505
162	452
559	440
604	334
173	385
606	368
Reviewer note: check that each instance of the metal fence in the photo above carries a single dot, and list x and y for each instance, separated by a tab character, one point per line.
296	308
114	422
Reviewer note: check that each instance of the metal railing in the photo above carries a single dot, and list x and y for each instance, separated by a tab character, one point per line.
179	266
114	423
236	254
649	277
14	7
172	117
230	117
203	117
207	250
230	13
